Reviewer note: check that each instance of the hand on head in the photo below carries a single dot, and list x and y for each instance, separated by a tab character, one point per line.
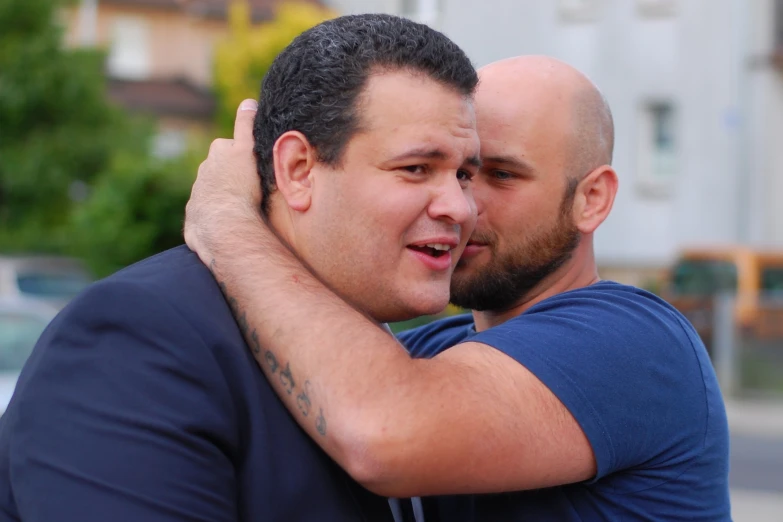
227	188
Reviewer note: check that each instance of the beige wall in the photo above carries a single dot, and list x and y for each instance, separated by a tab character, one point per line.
198	131
179	45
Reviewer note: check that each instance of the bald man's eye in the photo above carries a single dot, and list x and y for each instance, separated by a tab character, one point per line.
502	175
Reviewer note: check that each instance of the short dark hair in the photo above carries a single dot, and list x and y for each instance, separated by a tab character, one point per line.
313	85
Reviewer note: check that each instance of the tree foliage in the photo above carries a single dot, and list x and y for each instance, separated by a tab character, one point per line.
135	209
76	173
56	127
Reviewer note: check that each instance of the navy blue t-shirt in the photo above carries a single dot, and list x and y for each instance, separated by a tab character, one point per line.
638	380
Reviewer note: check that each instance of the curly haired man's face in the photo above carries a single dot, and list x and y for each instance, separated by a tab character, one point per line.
388	224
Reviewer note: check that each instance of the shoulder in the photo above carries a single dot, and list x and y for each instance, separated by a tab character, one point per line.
126	332
123	392
433	338
168	273
117	324
625	363
169	289
607	330
610	297
606	309
166	309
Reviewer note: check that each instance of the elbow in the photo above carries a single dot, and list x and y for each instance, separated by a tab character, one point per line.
371	472
378	459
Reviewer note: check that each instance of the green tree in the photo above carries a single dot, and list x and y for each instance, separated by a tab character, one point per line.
244	57
56	127
135	208
76	173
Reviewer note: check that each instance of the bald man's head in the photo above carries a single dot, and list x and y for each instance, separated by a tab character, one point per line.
568	105
593	131
543	128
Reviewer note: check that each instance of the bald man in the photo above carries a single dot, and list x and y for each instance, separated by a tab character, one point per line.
583	399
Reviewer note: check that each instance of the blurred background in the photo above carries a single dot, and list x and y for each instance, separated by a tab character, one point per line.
108	106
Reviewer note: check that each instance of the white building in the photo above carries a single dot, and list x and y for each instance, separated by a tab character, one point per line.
697	101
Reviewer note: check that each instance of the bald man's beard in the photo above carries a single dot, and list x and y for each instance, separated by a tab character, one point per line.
510	276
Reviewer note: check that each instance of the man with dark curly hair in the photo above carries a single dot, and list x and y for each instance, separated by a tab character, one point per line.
140	401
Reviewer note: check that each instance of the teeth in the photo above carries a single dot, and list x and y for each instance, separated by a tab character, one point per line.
438	246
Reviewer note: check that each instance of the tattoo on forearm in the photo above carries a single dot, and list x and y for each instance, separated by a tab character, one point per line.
320	423
242	322
303	400
287	379
256	344
271	360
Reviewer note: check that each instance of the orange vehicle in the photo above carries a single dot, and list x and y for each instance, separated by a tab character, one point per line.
753	276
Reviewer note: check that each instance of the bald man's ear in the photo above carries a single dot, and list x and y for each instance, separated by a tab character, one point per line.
294	159
594	198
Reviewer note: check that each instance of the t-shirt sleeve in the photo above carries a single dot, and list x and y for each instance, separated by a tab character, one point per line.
415	341
431	339
622	365
121	415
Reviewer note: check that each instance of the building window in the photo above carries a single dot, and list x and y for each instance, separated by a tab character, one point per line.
423	11
657	148
129	55
579	10
656	7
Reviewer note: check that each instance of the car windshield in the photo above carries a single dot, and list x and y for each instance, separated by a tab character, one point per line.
52	285
704	277
18	335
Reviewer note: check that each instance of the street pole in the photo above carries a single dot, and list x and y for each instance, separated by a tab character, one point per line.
725	344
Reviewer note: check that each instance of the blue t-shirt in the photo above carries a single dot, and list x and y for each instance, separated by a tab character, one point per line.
637	378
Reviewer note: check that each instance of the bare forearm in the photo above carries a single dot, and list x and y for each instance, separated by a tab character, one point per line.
468	421
335	374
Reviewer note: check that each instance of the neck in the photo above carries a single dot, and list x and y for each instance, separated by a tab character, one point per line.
280	221
580	271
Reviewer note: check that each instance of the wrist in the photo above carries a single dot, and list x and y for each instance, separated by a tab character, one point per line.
233	232
217	234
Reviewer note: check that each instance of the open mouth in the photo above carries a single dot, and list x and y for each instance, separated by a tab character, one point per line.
435	249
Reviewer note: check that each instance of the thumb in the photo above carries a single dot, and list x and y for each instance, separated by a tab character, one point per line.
243	126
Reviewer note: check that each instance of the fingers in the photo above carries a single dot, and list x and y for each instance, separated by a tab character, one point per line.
243	126
226	188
